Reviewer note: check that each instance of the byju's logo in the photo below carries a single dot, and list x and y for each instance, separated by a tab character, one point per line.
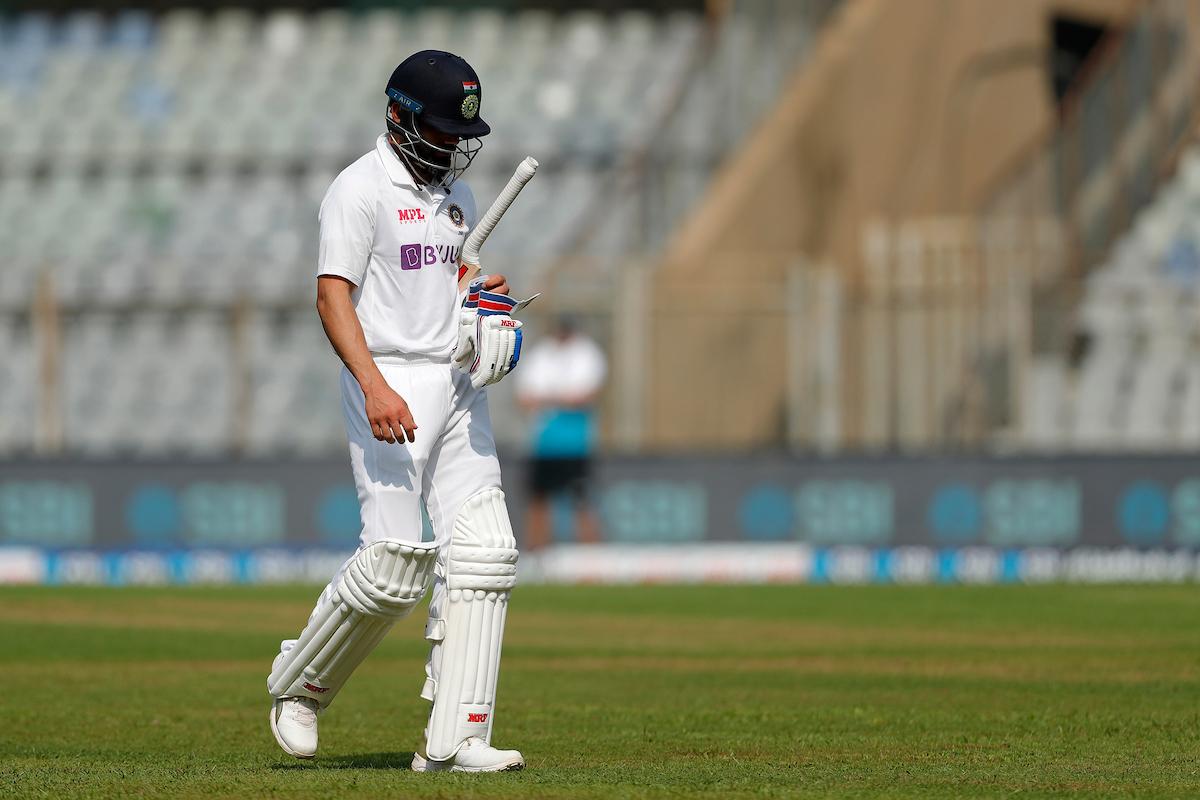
415	256
410	256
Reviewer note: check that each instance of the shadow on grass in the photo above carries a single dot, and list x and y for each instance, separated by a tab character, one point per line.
355	761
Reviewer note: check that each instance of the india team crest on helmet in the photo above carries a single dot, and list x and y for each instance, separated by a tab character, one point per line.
456	215
470	103
470	106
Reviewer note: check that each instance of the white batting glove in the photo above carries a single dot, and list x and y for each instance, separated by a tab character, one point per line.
496	339
464	351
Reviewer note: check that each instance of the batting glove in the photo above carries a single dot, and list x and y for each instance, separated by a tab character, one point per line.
497	339
464	351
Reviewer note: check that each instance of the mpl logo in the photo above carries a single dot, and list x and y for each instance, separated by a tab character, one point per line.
415	256
411	214
476	717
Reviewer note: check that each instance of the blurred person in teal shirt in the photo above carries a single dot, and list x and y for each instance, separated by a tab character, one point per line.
558	383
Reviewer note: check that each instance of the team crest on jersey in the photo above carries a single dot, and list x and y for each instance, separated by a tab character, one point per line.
470	106
456	215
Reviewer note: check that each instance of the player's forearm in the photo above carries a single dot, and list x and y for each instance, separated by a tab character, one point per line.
345	333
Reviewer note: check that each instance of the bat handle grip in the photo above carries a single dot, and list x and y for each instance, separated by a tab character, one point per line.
508	194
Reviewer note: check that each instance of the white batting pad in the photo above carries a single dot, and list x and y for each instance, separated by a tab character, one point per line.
481	570
381	584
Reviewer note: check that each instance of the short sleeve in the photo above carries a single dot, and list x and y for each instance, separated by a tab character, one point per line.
347	220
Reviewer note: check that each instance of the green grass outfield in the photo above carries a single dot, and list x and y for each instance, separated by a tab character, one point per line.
1047	691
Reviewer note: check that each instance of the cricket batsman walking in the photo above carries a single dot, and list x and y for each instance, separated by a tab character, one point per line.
417	354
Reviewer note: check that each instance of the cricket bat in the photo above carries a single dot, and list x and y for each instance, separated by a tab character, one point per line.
469	265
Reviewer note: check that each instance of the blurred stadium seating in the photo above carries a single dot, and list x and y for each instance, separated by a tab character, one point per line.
195	158
1136	385
173	203
161	176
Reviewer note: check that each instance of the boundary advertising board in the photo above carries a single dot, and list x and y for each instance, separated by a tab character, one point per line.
798	519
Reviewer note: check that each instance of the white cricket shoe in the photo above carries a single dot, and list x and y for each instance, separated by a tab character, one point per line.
475	755
294	723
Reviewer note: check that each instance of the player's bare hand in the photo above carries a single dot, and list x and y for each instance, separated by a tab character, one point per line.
497	284
388	413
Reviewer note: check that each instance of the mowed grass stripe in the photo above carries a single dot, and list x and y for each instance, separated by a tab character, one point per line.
629	692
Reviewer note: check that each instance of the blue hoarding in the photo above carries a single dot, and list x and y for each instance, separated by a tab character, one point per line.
241	520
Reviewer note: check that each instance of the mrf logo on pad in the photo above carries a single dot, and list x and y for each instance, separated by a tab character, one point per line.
477	717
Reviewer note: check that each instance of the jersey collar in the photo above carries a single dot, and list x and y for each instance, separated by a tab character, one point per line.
396	171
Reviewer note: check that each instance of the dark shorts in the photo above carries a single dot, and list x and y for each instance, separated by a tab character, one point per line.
553	476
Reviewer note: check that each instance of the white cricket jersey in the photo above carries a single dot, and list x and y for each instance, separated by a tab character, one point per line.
399	244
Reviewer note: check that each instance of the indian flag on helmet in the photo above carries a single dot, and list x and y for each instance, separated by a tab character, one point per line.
470	86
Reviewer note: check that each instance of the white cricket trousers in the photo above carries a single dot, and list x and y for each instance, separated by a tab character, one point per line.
453	457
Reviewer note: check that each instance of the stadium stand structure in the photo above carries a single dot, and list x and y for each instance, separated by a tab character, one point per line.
937	276
158	228
1134	383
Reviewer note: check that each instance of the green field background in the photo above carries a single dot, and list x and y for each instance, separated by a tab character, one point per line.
942	691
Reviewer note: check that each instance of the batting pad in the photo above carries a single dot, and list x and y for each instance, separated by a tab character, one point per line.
381	584
481	571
